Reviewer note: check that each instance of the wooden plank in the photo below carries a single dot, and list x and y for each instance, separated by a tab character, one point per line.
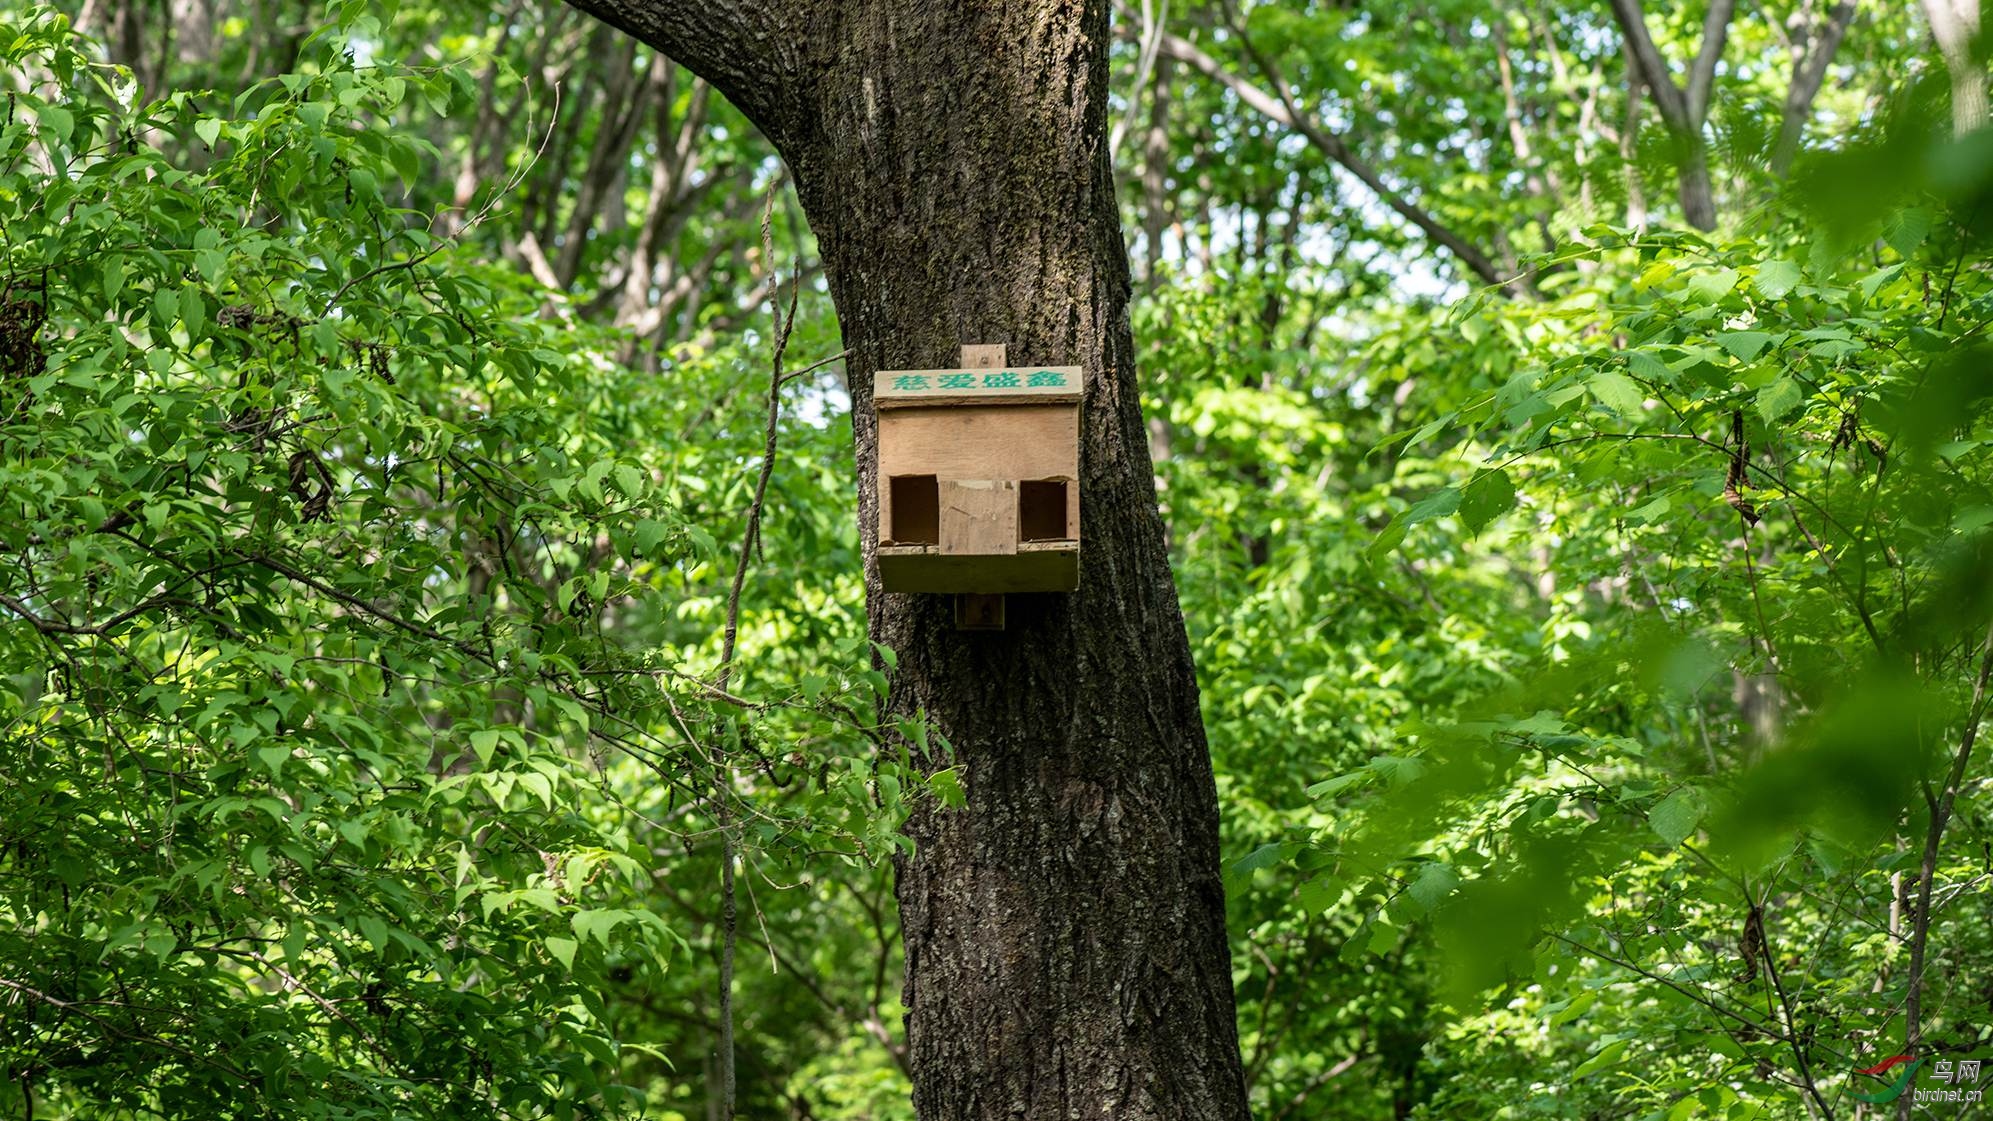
978	517
911	404
1073	506
1022	547
902	388
1037	567
985	356
1012	442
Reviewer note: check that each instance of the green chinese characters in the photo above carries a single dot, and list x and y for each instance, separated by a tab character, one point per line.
973	380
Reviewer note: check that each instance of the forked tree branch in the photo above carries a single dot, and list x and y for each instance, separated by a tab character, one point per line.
1684	110
1654	73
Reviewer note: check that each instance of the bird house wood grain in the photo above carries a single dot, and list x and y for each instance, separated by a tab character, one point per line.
979	477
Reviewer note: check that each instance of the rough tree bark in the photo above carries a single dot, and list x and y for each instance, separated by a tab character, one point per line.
1065	943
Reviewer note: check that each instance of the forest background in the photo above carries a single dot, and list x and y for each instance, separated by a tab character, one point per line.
429	568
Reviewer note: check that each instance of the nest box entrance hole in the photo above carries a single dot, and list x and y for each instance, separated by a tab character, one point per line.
916	509
1041	510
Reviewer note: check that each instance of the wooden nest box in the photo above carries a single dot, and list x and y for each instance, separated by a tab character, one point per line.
979	477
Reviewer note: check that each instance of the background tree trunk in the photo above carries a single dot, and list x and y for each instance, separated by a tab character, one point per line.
1065	942
1955	26
1812	52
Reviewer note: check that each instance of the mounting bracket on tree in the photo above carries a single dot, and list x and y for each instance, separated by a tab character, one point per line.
979	481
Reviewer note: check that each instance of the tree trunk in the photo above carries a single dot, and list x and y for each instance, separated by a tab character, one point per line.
1065	942
1697	197
1955	25
1629	144
1812	52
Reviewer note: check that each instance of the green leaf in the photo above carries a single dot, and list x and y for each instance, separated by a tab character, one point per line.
161	944
1387	540
948	787
563	950
1644	365
1352	950
209	130
1435	882
1713	285
1602	1058
209	262
1875	280
598	923
1399	770
1486	497
58	121
1263	857
591	479
1316	895
1907	230
1779	398
1330	786
355	831
114	279
1617	392
407	163
1743	345
193	311
1776	278
274	756
374	931
650	534
539	785
1675	817
165	310
1577	1006
1426	432
541	897
1971	518
1436	505
1651	510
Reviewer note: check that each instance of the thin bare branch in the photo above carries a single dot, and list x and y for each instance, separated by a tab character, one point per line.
1282	110
1940	804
